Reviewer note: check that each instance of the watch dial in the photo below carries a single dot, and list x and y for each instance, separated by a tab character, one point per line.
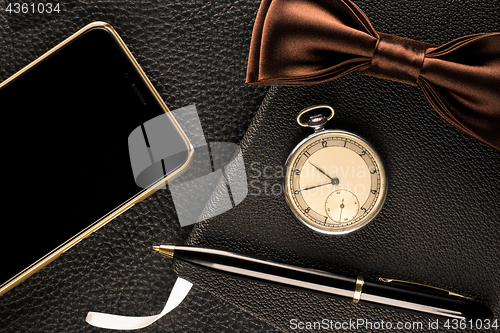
335	182
342	206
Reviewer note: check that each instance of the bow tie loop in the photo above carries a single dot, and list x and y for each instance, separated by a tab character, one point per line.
396	59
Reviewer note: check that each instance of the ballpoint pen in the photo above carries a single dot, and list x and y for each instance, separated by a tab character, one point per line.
385	293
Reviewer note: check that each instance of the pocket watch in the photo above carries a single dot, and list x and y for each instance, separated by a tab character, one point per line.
335	181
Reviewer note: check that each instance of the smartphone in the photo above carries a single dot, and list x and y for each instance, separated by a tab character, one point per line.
67	171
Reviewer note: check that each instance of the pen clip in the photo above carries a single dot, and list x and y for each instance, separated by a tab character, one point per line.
421	285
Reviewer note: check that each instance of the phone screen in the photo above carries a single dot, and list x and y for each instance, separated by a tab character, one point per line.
66	163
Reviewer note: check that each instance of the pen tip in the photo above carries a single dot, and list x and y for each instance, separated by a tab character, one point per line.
167	250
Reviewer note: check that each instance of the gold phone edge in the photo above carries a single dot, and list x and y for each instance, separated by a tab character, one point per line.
138	198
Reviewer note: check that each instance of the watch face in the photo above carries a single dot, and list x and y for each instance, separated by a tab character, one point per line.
335	182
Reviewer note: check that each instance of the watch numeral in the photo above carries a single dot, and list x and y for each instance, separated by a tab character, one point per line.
363	153
324	143
306	154
307	210
297	172
296	192
374	191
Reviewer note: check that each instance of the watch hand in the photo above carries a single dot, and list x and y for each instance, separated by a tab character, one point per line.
341	208
335	181
309	188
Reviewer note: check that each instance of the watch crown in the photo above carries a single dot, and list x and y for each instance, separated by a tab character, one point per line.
317	122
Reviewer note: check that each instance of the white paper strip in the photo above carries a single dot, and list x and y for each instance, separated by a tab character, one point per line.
179	292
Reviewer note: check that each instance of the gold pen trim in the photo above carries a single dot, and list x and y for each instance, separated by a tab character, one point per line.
357	289
422	285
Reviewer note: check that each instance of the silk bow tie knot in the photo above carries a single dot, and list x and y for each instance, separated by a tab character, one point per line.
397	60
310	41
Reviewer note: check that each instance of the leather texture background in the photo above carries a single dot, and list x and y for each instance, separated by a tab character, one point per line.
440	224
193	52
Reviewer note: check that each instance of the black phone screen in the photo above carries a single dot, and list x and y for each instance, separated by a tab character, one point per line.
66	163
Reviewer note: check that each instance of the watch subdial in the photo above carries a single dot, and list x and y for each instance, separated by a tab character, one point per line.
342	206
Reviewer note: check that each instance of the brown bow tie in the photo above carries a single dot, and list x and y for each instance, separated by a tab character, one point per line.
305	42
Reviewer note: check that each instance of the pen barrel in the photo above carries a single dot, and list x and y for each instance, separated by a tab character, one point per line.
283	275
417	299
422	300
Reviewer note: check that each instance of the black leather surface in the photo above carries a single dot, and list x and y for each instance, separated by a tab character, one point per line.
440	224
193	52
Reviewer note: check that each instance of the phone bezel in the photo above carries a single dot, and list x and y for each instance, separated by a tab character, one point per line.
94	226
